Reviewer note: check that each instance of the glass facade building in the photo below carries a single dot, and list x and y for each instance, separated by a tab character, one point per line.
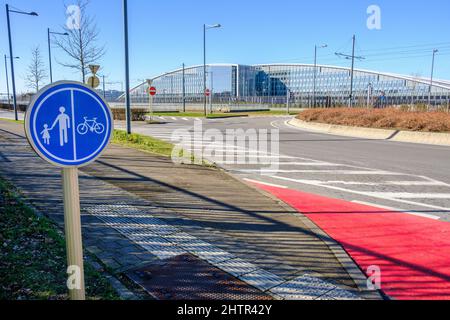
275	84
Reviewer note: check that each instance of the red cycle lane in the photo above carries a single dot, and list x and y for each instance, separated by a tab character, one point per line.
412	252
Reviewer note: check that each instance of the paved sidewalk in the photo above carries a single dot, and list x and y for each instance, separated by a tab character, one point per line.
142	215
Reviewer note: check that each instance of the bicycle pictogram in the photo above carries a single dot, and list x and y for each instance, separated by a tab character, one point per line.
90	125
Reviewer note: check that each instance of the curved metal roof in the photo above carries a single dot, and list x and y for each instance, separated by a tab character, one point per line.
444	84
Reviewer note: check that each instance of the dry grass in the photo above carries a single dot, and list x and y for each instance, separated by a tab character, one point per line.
381	118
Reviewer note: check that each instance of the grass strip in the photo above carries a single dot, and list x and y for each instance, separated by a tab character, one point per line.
143	143
155	146
14	121
33	255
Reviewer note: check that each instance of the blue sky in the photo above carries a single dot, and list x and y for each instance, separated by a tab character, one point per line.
164	34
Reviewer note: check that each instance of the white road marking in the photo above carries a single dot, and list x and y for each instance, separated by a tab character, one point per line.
300	161
265	183
348	172
423	215
387	183
313	164
409	195
416	183
274	125
379	196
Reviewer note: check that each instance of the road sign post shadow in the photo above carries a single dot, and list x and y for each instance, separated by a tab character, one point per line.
69	125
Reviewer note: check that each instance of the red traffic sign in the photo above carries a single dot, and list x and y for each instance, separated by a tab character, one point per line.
207	92
152	91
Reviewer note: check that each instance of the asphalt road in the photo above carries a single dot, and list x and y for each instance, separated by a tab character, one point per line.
414	178
409	177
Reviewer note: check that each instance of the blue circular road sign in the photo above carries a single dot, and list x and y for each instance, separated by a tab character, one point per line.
68	124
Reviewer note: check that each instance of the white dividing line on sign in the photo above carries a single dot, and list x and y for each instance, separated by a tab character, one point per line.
423	215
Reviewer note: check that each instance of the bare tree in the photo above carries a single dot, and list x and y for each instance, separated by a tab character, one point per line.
36	72
81	43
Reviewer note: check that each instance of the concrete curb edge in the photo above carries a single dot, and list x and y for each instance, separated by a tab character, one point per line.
432	138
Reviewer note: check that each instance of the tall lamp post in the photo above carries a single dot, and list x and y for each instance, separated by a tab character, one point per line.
127	67
104	86
8	11
369	93
7	78
49	33
206	27
432	74
315	71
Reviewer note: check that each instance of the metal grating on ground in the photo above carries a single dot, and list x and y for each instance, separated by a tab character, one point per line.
186	277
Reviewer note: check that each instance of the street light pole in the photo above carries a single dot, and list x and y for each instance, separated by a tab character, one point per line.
204	68
127	67
11	54
50	50
369	93
315	72
432	74
184	89
288	100
104	87
12	64
7	78
211	93
49	55
352	73
205	27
